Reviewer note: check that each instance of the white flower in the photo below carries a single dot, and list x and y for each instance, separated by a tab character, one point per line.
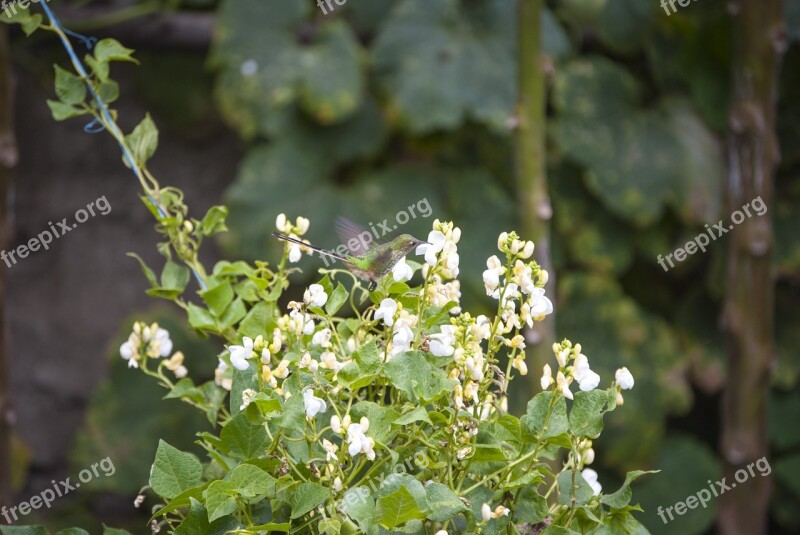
563	384
315	296
307	362
162	342
313	404
402	337
441	532
624	378
322	338
330	450
590	476
220	378
434	246
587	379
240	354
486	512
295	254
328	361
547	377
358	441
441	345
302	224
337	484
491	277
401	271
519	364
541	306
386	311
247	398
126	351
280	224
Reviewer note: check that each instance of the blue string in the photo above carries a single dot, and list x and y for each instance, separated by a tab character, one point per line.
94	127
89	42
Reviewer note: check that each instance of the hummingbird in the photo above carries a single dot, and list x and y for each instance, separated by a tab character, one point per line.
367	261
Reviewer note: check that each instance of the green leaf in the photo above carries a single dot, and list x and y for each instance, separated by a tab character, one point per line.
258	320
359	505
218	298
365	366
531	506
622	496
337	299
62	112
108	91
201	319
244	439
174	471
420	414
107	50
588	408
219	500
197	522
534	420
143	141
100	69
149	273
72	531
583	492
407	501
233	314
418	379
250	481
443	503
380	419
307	497
175	277
70	88
214	221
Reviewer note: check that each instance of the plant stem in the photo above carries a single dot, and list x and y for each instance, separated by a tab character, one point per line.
534	200
748	312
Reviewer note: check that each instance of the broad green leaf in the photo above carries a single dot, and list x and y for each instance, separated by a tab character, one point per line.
406	501
70	88
108	91
219	500
244	439
174	471
107	50
380	419
218	298
200	318
197	522
72	531
114	531
622	496
62	112
306	497
258	321
443	503
143	141
419	380
536	422
359	505
214	221
531	506
420	414
24	530
233	314
175	276
336	299
566	488
250	481
588	408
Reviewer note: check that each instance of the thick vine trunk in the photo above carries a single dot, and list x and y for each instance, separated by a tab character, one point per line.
8	158
534	205
753	153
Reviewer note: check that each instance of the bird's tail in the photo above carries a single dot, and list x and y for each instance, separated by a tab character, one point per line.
320	250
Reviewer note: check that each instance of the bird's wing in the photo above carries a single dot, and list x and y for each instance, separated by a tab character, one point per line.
356	238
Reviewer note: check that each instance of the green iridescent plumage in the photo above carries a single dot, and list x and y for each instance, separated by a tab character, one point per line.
373	262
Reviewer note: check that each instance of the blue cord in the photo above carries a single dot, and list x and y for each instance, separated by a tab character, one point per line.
89	42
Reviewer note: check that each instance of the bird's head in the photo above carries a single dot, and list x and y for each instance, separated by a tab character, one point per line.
407	243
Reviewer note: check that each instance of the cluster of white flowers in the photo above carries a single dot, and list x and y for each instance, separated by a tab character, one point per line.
356	435
441	263
524	282
151	341
579	371
402	323
299	228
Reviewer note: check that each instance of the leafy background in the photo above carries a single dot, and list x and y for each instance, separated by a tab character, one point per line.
386	102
